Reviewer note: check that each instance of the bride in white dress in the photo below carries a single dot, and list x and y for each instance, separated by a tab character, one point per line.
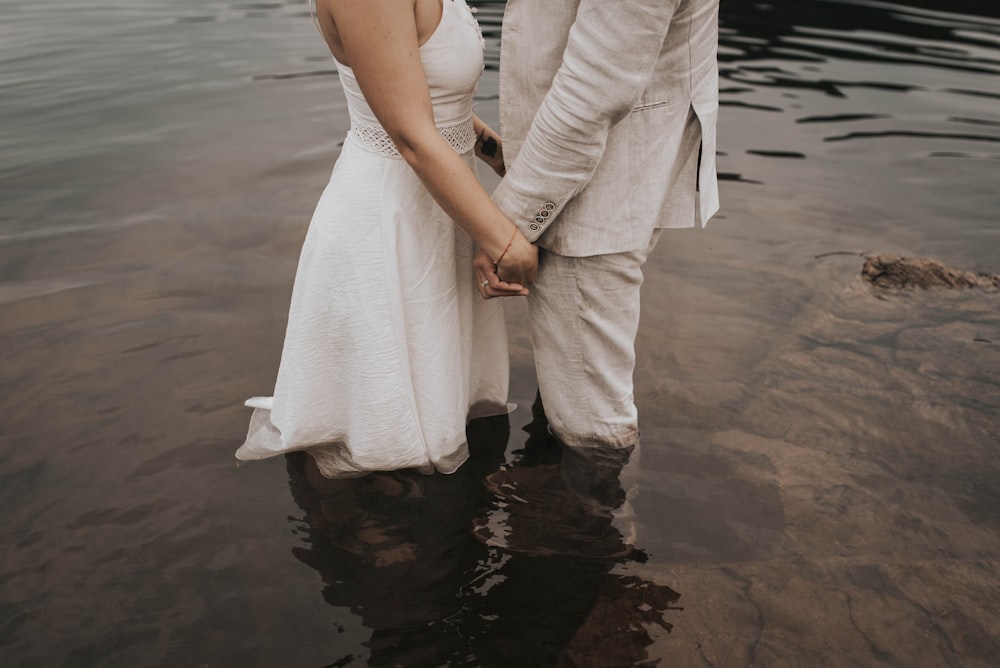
390	347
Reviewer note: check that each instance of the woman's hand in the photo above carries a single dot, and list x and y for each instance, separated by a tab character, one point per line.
517	267
489	283
520	263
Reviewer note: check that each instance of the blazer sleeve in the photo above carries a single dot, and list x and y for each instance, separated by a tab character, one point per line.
607	64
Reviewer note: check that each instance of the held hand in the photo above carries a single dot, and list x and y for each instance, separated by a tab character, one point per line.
520	263
490	284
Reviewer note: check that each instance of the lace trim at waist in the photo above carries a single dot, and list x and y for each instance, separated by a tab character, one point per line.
461	136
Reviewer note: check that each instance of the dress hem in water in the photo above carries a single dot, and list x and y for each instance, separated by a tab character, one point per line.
334	459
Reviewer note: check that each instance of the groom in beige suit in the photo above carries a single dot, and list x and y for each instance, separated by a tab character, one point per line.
608	112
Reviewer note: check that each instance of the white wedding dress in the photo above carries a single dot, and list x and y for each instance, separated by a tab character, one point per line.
389	348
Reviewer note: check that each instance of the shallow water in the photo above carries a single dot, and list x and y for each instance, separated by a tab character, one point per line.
818	479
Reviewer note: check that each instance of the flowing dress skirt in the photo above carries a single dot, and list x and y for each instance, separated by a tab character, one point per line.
389	348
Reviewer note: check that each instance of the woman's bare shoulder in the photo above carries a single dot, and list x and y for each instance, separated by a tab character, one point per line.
424	14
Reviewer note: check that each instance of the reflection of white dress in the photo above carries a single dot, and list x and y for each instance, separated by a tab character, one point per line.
389	348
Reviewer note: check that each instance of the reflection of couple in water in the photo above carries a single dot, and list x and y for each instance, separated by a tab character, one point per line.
495	565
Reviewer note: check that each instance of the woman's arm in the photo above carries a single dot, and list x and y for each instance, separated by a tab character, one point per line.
379	38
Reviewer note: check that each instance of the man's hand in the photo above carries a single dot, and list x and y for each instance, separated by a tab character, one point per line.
490	284
489	149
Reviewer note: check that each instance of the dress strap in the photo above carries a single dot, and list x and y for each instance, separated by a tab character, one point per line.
315	18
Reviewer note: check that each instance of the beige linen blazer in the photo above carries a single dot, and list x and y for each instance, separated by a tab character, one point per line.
607	112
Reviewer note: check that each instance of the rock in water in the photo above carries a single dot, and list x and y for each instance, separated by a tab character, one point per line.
893	271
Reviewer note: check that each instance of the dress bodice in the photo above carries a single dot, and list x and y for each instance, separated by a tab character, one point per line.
453	63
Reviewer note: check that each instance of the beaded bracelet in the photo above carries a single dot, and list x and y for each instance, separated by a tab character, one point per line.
507	248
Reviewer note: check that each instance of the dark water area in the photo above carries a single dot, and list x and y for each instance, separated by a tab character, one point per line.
819	477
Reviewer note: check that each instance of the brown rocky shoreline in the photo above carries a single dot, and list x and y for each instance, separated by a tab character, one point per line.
887	271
